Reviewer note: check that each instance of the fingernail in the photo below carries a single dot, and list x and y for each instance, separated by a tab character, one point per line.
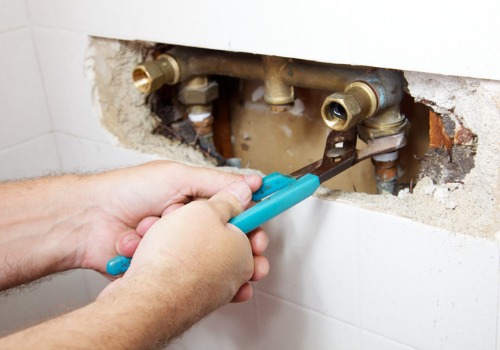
129	239
249	179
240	190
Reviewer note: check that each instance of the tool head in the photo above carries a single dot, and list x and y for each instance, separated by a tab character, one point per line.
381	145
340	153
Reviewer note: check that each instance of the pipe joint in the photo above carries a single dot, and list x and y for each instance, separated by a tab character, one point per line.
363	98
343	110
201	93
386	123
278	93
152	75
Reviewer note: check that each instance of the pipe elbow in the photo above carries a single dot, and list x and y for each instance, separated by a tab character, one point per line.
362	99
343	110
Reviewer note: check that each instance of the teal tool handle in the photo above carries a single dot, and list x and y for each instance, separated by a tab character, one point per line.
270	184
283	192
268	208
117	265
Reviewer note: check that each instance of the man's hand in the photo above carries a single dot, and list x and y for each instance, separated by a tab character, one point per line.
131	200
189	262
194	247
69	222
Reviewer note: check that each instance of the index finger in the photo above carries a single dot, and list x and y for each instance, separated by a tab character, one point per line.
206	182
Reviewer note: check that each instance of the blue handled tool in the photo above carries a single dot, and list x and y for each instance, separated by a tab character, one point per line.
279	192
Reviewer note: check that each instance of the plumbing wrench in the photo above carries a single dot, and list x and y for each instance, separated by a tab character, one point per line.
280	192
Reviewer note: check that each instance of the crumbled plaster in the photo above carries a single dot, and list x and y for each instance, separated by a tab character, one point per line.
123	109
470	208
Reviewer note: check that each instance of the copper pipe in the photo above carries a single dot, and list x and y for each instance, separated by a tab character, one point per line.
386	172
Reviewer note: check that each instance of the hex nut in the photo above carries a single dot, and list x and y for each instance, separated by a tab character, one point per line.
352	110
148	77
199	94
152	75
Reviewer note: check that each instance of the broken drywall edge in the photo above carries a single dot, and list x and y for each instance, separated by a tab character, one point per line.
471	209
122	108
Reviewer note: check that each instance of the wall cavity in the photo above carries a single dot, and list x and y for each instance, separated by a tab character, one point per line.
466	205
124	111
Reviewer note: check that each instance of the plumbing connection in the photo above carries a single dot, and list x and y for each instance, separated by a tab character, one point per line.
361	97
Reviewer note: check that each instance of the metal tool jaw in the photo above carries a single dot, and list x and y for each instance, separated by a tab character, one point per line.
339	155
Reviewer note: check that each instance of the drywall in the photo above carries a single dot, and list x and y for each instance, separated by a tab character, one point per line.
469	207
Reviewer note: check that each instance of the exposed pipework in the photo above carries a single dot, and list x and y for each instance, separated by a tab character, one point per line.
197	94
360	92
364	97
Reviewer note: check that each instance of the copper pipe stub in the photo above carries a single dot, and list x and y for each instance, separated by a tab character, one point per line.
386	172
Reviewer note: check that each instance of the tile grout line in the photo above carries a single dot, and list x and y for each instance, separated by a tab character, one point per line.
83	138
15	30
361	329
273	296
46	100
24	142
257	320
42	78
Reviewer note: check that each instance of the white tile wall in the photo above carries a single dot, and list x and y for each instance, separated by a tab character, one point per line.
13	15
95	283
283	325
36	157
407	282
81	155
40	13
233	326
69	92
424	287
23	109
370	341
314	259
113	16
41	301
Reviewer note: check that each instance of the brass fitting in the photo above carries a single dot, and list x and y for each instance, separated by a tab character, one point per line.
152	75
199	91
278	94
366	92
344	110
385	123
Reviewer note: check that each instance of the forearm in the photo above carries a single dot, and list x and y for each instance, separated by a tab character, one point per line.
137	315
39	220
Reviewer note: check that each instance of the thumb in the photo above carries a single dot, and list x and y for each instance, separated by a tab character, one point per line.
232	200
